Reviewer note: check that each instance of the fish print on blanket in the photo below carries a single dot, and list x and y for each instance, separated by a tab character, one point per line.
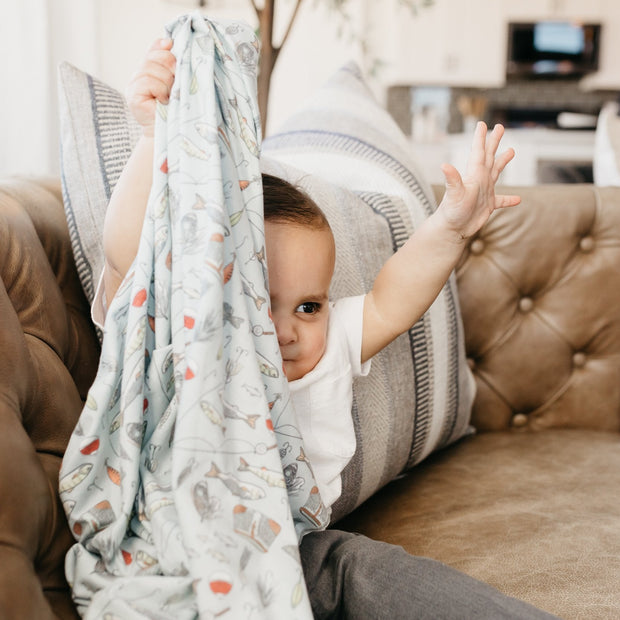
185	482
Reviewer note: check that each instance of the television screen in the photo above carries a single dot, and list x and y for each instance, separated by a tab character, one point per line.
559	38
552	49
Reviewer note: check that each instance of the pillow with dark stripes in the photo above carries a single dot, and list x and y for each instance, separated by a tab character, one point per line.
349	155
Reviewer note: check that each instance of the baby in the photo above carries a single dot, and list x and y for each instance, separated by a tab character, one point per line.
324	345
320	342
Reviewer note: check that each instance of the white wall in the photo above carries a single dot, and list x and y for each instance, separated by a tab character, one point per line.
23	91
36	36
313	51
108	38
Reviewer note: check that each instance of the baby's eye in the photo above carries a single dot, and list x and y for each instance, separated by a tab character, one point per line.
308	307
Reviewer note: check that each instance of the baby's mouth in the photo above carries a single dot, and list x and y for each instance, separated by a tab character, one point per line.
287	354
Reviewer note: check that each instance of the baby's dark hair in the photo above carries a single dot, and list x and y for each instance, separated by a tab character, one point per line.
283	202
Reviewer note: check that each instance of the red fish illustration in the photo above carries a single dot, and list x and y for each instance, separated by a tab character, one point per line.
139	298
91	447
113	474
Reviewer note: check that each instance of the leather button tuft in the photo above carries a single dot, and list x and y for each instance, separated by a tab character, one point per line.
526	304
519	420
586	244
471	363
579	360
477	247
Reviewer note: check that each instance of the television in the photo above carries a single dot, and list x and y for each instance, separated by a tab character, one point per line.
552	49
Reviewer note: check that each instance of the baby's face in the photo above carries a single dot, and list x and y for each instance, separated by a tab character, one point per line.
300	261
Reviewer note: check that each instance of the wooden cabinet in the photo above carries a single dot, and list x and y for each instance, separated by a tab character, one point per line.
450	43
530	10
608	75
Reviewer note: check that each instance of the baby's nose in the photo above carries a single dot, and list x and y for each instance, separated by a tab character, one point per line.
285	331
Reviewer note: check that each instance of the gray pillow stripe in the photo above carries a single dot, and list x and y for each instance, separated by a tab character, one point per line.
82	263
420	339
453	388
95	94
382	205
114	142
420	336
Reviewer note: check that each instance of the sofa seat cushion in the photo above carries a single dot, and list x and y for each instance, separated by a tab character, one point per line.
536	515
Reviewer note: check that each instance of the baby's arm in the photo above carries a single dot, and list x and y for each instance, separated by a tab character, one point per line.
411	279
125	213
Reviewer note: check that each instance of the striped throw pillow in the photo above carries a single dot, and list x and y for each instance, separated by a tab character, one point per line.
346	151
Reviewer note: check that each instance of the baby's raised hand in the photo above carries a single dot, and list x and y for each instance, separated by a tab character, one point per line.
152	82
469	200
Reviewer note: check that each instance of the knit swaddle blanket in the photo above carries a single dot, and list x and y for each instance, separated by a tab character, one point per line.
185	481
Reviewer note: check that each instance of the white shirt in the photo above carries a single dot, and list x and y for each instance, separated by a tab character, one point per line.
323	398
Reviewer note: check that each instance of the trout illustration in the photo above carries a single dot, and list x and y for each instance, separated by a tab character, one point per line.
271	477
237	487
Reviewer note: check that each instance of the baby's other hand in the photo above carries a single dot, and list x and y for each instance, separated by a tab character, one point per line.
152	82
469	200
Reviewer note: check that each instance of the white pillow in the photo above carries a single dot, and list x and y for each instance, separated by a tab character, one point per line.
606	160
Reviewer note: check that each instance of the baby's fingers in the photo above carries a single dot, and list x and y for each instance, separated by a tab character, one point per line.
146	88
159	61
162	44
452	176
501	161
154	78
506	200
492	144
478	146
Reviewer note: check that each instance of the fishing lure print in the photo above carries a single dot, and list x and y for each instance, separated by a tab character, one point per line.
232	412
237	487
271	477
74	478
250	290
206	506
90	446
266	367
213	415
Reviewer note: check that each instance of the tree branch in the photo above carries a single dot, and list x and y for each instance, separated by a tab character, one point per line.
290	25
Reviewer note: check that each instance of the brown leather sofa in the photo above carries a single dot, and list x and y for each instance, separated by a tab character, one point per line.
529	504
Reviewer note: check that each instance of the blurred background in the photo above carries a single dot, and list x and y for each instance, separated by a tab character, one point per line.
545	68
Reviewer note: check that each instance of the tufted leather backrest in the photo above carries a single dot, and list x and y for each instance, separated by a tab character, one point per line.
540	295
48	359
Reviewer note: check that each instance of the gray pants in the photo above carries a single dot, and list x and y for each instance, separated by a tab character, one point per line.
351	576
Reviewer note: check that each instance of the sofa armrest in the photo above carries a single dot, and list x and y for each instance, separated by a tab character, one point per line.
539	289
48	361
